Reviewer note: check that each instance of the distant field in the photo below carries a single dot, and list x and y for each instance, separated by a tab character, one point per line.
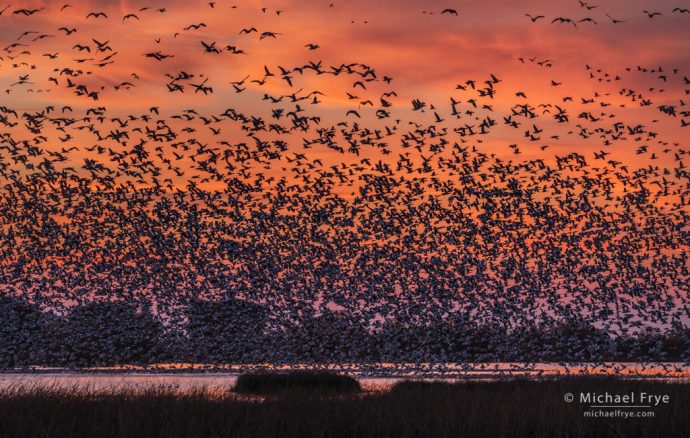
330	408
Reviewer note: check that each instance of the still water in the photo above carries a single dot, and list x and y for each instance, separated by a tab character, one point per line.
371	376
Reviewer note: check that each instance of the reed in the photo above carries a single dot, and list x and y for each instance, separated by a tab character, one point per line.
410	409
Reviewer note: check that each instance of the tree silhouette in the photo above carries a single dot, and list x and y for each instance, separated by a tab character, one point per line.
228	331
21	333
106	333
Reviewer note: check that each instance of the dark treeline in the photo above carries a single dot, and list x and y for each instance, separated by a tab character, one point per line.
234	331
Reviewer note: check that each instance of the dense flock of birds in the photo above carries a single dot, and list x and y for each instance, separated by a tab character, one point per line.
376	209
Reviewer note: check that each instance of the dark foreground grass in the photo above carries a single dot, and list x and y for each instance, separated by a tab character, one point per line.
302	381
471	409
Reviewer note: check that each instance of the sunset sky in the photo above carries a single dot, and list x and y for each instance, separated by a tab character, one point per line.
425	52
381	89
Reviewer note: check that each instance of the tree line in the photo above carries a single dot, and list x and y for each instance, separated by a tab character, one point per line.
233	331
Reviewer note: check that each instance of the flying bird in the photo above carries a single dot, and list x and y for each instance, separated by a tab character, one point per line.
561	20
96	15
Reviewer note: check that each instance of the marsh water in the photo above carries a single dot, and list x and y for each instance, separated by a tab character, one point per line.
371	376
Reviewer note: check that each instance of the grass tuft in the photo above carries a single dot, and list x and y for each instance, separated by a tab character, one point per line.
303	381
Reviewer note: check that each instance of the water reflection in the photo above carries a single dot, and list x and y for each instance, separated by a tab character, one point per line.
372	377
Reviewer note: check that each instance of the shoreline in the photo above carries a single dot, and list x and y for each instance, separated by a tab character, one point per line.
656	368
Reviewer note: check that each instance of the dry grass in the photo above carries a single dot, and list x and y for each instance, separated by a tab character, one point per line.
411	409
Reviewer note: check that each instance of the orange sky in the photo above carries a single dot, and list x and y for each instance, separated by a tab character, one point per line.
426	55
588	71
